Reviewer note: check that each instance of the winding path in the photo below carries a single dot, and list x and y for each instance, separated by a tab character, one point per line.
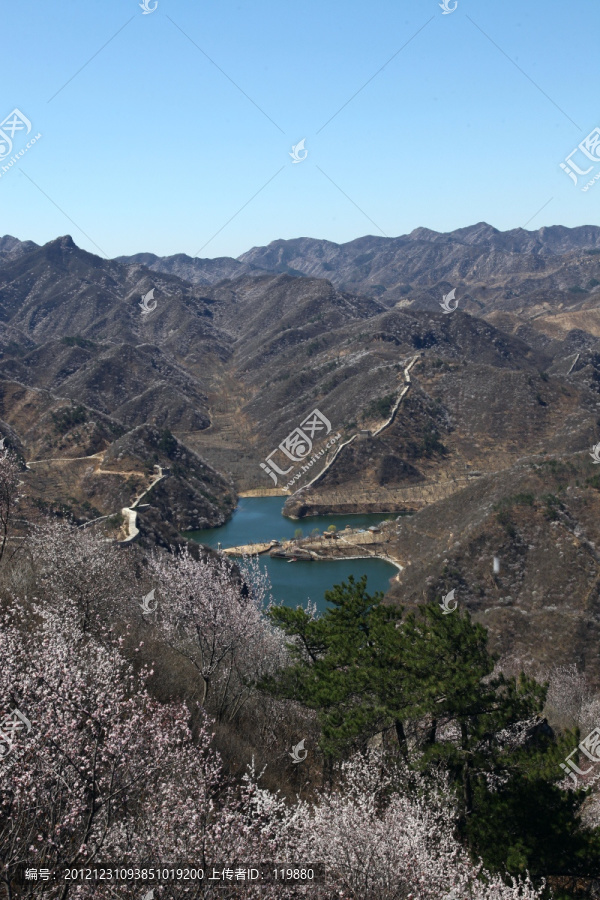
401	397
130	513
375	433
575	361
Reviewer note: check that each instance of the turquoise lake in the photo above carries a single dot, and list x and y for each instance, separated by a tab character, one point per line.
258	519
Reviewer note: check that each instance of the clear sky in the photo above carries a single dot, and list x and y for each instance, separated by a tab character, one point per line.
158	129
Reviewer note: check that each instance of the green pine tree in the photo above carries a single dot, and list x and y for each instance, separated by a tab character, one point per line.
368	668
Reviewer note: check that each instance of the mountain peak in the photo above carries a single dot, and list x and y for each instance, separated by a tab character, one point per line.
65	242
11	247
476	233
423	234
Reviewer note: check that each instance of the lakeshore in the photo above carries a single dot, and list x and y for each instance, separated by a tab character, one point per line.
328	546
321	558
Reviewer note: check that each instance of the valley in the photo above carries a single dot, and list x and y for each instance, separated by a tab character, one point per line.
440	420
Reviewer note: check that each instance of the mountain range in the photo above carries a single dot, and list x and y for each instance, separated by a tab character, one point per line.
501	400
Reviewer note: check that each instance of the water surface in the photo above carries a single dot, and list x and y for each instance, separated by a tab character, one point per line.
259	519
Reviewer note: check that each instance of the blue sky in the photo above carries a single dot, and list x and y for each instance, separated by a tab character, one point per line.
155	145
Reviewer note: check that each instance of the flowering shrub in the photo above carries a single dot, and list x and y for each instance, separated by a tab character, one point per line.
106	773
9	495
77	572
383	840
222	630
109	773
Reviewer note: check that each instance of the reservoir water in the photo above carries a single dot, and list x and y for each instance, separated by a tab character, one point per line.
259	519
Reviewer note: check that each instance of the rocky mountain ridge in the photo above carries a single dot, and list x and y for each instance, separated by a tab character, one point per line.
96	390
